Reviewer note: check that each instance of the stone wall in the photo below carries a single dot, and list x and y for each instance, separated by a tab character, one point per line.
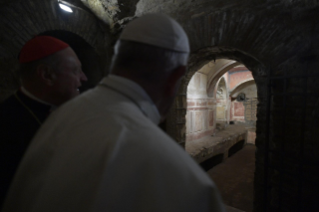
237	112
287	158
251	111
9	80
245	112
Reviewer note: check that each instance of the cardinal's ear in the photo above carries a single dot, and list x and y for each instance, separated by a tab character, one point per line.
46	74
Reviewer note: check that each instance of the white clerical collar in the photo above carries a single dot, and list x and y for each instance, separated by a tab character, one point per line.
134	92
31	96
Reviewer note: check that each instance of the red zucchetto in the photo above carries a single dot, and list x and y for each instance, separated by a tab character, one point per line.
40	47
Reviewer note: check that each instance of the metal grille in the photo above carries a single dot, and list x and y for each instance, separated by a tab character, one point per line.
291	105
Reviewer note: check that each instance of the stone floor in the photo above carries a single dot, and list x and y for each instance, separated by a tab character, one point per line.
234	179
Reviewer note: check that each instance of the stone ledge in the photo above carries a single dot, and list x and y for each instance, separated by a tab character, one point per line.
205	148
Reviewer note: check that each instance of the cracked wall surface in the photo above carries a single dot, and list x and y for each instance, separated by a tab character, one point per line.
113	12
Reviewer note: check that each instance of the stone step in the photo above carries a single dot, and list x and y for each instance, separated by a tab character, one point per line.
231	209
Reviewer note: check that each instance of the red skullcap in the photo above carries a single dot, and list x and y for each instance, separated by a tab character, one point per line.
40	47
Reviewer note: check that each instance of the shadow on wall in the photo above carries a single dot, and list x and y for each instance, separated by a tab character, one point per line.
91	62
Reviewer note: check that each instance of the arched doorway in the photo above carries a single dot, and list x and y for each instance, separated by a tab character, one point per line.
200	64
221	100
219	133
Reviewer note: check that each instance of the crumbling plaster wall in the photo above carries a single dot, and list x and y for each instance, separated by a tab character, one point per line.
200	109
202	102
116	13
241	81
222	99
245	111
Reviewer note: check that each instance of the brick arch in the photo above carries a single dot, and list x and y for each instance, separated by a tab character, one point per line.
244	84
211	85
21	20
221	80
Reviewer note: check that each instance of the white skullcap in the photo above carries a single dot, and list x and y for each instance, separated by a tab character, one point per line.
157	30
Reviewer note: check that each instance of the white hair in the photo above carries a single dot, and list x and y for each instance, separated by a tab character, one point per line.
149	61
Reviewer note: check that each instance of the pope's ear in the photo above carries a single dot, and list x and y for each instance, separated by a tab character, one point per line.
174	80
46	74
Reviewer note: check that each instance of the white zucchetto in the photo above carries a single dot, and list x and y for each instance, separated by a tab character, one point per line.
157	30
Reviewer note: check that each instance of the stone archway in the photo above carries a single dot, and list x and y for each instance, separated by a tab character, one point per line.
221	98
176	123
179	110
234	92
215	77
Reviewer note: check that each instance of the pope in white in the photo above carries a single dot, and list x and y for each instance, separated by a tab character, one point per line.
103	151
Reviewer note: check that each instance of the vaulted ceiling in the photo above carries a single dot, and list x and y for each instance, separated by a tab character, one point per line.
268	32
208	23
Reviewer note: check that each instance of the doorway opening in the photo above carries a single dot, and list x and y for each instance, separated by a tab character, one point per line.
221	109
220	124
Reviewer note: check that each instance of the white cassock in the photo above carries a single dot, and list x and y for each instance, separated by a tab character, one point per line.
103	151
